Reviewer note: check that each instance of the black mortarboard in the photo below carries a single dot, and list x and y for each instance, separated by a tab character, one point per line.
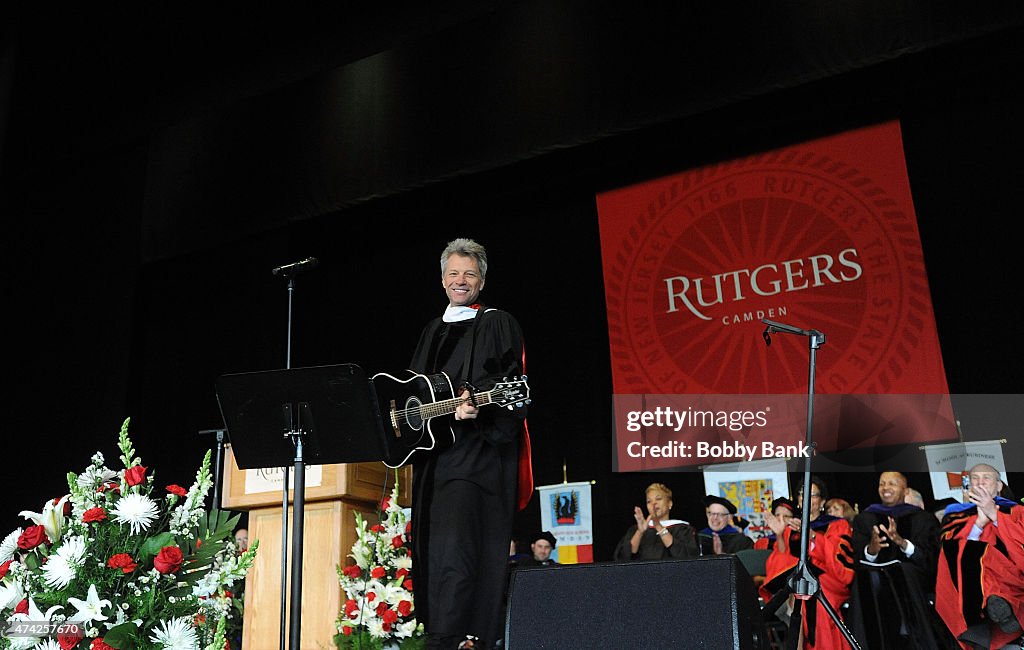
783	501
545	535
709	499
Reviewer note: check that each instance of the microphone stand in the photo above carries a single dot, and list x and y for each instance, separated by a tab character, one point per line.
296	434
801	582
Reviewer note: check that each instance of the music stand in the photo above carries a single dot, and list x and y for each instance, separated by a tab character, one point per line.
318	415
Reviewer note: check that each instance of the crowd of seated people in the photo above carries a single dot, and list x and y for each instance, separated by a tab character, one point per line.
899	573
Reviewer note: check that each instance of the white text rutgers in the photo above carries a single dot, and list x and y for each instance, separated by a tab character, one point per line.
666	418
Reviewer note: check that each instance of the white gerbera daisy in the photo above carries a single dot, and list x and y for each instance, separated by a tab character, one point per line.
135	509
10	545
175	634
62	565
47	644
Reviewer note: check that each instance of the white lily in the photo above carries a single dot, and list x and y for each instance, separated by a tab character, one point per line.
90	609
51	518
34	614
11	593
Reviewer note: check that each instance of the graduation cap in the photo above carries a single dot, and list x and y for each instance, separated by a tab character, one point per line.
783	501
545	535
727	504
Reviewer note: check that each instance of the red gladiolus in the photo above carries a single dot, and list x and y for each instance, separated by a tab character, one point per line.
32	537
377	528
135	475
5	567
352	571
405	607
407	585
408	527
378	572
94	514
169	560
177	489
385	503
351	608
122	561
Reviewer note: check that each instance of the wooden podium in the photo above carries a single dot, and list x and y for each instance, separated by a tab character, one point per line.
333	494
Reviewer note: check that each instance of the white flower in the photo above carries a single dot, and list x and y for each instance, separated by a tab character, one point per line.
62	565
135	509
11	593
48	644
35	616
175	634
10	545
375	627
403	562
94	477
51	518
90	609
404	630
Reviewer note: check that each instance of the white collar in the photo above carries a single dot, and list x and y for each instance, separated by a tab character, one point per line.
453	314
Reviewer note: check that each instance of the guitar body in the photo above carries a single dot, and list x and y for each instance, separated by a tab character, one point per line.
402	401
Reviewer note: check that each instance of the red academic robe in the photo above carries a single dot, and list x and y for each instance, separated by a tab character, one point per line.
829	552
971	571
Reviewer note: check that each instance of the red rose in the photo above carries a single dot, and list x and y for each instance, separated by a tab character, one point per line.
370	597
351	608
407	585
97	644
378	572
396	541
122	561
401	573
168	560
94	514
228	594
352	571
405	607
69	641
176	489
389	616
135	475
22	607
383	607
346	631
32	537
377	528
4	568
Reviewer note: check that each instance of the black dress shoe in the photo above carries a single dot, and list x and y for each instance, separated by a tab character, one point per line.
1001	613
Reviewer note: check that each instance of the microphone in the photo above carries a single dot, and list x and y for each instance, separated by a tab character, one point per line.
293	269
767	335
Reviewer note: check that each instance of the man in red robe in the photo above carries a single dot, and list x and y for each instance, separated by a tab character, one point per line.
980	581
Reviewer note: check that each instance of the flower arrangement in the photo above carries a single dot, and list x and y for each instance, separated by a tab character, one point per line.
378	611
118	563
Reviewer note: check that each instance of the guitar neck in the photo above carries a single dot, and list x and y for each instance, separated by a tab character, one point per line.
448	406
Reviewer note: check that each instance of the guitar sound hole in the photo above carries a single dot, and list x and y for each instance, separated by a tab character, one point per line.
412	414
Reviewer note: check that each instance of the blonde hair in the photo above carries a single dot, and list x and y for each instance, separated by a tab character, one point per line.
659	487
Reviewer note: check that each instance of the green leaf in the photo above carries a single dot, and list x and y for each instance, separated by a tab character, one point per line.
121	636
151	547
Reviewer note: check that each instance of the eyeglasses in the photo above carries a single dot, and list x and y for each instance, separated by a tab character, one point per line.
718	514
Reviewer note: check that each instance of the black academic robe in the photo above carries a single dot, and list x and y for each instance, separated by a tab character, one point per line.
464	495
733	540
890	596
684	544
530	561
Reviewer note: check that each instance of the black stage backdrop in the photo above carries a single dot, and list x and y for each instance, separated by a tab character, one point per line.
144	215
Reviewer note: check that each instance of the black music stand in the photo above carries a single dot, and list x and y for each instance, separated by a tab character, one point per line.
319	415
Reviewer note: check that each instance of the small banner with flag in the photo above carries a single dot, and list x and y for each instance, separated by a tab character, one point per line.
566	512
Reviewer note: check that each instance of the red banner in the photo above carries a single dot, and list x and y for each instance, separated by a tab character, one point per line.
820	236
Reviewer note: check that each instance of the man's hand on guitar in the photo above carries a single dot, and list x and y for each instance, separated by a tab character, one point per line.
467	410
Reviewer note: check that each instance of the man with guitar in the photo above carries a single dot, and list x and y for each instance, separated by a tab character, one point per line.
465	482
